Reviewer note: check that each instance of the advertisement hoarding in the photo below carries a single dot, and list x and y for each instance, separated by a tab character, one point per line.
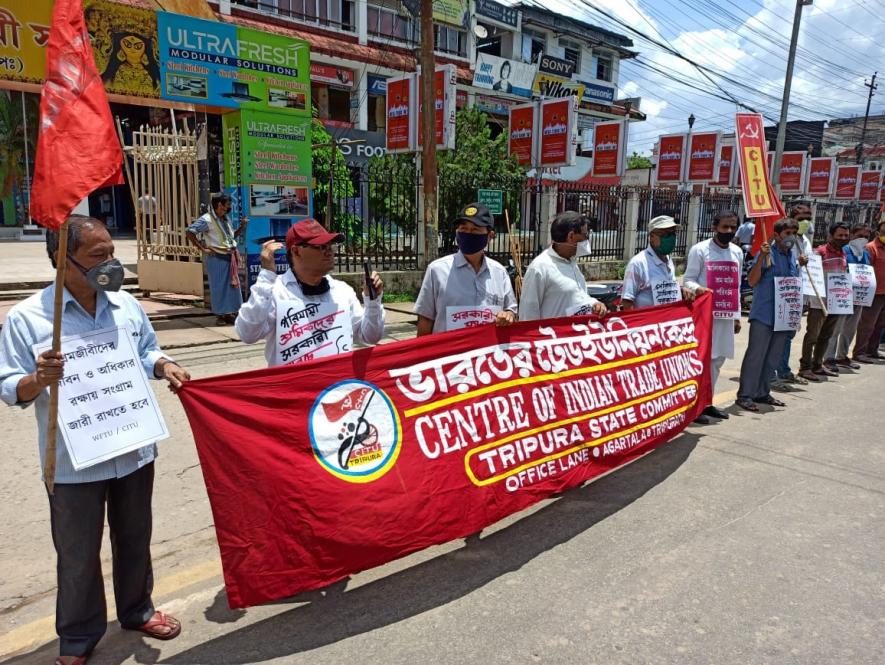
609	147
847	181
557	132
820	176
703	157
401	114
870	181
510	76
671	158
792	175
726	164
521	134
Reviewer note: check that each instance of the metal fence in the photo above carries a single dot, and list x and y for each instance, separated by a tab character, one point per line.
606	206
654	202
711	204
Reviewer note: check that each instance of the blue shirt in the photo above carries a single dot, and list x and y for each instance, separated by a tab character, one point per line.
782	265
30	323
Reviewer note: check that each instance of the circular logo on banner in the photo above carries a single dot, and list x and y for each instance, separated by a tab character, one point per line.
355	431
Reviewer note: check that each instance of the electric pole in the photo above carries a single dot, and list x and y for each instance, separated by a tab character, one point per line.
785	102
863	132
427	96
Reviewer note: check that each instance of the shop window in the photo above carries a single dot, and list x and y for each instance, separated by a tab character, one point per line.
450	40
571	52
533	45
331	103
332	13
490	44
604	68
386	21
377	113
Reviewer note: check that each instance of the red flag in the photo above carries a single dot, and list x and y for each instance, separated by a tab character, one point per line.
765	225
354	400
77	148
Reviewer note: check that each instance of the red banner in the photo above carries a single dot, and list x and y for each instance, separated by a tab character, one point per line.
522	133
820	176
440	79
671	158
847	178
726	164
608	148
759	197
703	157
557	122
331	74
400	108
869	185
792	176
319	471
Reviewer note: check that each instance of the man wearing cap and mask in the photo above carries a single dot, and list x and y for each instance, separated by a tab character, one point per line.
282	307
215	237
120	487
650	277
468	287
554	284
722	260
766	344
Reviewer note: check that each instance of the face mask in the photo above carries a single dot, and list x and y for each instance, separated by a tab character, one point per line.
857	246
583	248
803	226
882	239
724	238
667	245
471	243
788	242
107	276
839	243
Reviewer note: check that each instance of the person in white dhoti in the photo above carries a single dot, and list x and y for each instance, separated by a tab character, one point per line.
716	265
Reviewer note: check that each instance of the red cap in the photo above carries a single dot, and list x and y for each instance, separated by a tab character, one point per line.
310	232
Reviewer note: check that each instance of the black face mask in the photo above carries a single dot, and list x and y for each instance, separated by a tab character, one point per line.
725	238
106	276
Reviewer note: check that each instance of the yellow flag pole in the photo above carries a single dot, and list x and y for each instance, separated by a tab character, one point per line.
52	424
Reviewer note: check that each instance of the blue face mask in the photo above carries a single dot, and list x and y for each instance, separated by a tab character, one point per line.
471	243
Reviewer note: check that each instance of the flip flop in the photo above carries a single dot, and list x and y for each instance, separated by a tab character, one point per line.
747	404
771	401
157	621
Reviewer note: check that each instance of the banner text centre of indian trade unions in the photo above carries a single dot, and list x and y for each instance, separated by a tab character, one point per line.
319	471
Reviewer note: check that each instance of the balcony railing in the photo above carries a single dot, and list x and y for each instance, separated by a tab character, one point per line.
335	14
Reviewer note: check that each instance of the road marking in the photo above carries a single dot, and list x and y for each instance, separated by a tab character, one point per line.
41	631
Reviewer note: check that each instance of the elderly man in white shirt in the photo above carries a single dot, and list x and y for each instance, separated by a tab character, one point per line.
296	313
554	284
715	265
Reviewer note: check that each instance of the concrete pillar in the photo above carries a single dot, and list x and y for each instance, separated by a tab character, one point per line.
362	21
694	220
359	116
631	224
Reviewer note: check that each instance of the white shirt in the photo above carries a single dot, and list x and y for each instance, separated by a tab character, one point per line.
696	275
552	287
257	319
804	244
452	282
644	270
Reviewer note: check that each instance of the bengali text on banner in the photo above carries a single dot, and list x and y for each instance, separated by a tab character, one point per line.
318	471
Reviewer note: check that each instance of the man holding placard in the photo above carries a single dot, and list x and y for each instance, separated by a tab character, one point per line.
109	423
766	343
554	284
304	314
467	288
872	321
863	282
716	265
821	324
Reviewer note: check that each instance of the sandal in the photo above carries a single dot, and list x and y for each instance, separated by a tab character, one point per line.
771	401
160	620
747	404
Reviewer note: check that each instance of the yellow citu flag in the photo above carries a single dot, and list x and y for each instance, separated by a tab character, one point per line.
757	184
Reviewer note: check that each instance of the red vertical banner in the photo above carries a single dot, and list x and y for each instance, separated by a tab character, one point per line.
726	165
671	158
759	197
556	133
444	101
521	134
400	113
609	145
870	181
792	176
703	157
847	180
820	176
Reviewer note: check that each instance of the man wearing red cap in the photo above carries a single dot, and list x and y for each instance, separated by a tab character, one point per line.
304	313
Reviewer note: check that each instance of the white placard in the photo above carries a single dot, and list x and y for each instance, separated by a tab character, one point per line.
840	295
470	316
306	331
787	303
863	281
814	268
106	407
665	291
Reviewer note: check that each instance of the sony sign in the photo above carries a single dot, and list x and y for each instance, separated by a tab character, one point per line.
556	66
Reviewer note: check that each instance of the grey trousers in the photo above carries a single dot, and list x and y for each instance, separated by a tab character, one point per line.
763	354
818	331
77	515
869	331
842	337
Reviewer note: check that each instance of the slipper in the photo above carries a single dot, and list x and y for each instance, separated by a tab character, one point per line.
160	620
747	404
78	660
771	401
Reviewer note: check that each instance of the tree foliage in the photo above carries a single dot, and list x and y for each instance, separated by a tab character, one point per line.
637	161
342	188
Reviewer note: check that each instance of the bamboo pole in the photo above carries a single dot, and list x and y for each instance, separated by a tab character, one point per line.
517	257
52	419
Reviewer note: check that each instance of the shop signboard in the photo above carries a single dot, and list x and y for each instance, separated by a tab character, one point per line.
600	94
123	38
377	85
493	105
336	76
549	86
556	66
509	76
453	12
221	64
489	9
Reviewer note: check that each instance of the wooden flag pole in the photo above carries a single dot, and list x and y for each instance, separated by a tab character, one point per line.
52	422
517	259
823	305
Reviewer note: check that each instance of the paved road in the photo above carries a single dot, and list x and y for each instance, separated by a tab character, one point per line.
758	540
